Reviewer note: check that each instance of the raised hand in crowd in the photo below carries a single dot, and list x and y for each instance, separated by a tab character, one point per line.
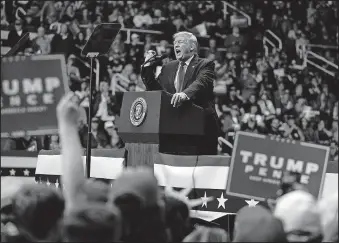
73	170
183	196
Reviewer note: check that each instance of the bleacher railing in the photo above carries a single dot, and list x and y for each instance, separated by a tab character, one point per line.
321	63
271	40
228	5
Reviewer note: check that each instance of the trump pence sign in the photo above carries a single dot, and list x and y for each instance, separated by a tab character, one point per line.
258	163
31	88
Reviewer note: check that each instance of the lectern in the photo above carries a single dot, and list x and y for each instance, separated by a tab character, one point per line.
149	124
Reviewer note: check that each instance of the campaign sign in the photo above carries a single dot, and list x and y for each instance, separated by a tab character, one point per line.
31	88
258	163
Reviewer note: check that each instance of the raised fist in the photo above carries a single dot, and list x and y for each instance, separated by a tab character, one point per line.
68	109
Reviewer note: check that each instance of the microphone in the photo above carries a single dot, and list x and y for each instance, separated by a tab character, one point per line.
156	59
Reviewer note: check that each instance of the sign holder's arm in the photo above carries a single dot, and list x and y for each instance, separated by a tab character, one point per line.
16	47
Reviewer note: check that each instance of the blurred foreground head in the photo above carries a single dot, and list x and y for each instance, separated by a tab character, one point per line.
207	234
328	207
37	210
257	224
96	191
94	222
300	216
177	218
135	192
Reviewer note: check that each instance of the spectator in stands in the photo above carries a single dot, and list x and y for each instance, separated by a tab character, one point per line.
29	143
335	112
85	18
83	95
285	104
148	43
115	141
42	43
32	17
116	61
113	17
235	113
73	73
135	44
334	130
251	125
63	43
275	129
212	49
248	83
49	12
219	31
161	48
80	40
98	20
329	98
104	105
251	101
4	21
235	42
308	131
333	151
98	136
232	98
119	44
16	34
142	19
253	119
266	106
128	70
323	135
68	13
293	131
8	144
54	143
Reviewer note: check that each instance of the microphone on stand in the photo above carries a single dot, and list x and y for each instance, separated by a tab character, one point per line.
155	59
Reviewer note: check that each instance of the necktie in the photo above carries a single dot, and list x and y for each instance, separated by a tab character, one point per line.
181	76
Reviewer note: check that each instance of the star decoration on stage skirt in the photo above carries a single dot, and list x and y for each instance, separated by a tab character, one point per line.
214	200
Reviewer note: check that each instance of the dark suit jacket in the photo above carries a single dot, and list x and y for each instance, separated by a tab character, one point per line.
198	86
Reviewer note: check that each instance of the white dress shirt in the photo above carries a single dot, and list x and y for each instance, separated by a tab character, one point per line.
185	68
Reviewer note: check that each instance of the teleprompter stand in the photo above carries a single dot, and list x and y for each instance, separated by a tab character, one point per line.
97	45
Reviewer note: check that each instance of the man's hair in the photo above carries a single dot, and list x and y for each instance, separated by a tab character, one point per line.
190	37
37	210
177	218
92	222
136	193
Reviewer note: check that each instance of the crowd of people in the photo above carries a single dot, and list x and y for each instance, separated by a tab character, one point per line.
135	208
255	91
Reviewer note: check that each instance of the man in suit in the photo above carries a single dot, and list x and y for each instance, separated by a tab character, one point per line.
189	78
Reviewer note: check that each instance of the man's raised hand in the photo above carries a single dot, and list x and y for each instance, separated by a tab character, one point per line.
68	110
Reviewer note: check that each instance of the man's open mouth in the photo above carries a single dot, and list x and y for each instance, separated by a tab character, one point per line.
177	51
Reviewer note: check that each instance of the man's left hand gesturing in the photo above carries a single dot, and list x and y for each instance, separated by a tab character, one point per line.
178	99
